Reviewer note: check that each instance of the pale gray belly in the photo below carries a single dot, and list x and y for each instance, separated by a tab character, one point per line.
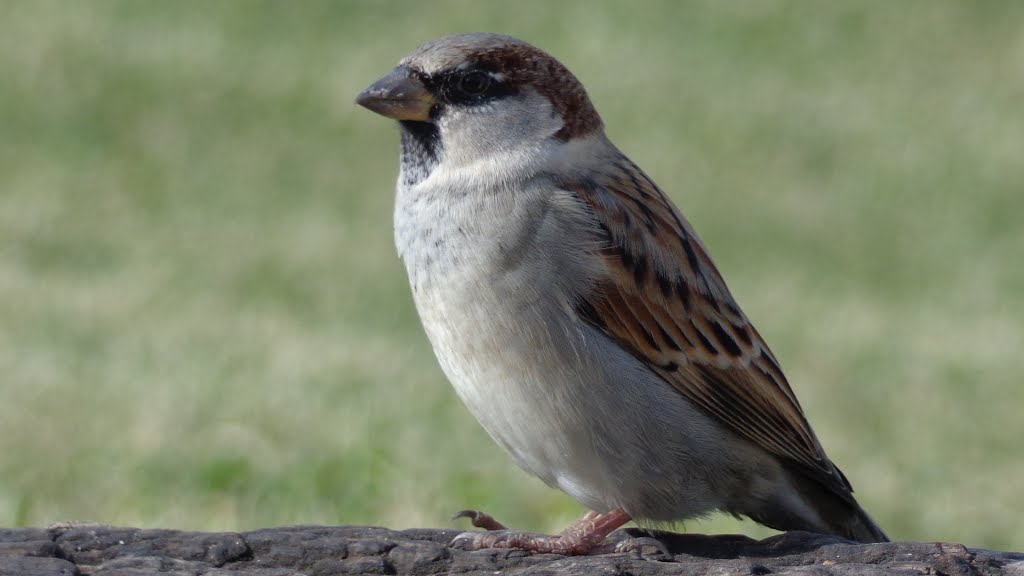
579	412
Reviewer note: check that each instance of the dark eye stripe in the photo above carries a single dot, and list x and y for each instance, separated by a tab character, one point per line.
474	82
447	87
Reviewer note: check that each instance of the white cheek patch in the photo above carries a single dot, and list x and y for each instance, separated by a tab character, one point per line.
509	126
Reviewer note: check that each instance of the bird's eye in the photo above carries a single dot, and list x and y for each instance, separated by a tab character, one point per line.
474	83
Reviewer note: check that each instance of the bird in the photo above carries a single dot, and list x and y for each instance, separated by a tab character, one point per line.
578	315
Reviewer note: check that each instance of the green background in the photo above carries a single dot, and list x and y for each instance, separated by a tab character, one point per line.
204	325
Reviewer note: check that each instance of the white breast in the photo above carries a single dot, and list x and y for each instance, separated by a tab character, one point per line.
493	302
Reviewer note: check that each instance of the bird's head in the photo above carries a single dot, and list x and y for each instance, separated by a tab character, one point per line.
464	98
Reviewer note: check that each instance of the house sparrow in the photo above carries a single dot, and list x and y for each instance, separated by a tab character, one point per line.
578	315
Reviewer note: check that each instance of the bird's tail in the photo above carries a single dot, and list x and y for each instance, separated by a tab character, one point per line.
840	512
856	524
815	507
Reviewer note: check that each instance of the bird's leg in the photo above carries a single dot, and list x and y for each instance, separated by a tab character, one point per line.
582	537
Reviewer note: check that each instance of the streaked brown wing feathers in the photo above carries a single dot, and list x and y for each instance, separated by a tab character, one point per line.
665	302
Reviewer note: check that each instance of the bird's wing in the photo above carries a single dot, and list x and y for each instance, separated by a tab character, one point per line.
665	302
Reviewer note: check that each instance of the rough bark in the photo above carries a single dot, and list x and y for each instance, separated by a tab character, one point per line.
318	550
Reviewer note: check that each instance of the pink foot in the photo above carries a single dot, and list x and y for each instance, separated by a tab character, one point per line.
583	537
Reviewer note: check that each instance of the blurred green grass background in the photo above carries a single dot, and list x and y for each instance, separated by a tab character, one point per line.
203	323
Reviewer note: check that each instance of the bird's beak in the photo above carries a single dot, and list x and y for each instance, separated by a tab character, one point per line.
399	95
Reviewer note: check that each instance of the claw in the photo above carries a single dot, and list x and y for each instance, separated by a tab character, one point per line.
480	520
642	546
465	541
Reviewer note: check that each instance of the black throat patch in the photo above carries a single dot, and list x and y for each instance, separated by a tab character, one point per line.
421	146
